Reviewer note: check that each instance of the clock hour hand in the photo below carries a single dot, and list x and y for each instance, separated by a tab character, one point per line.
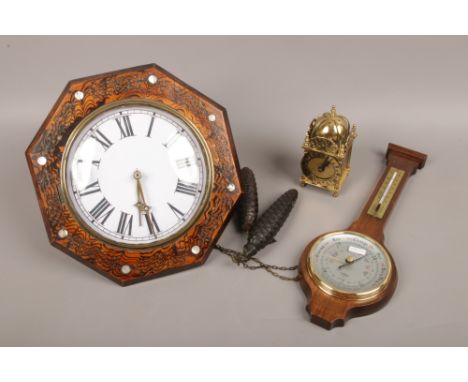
324	165
143	208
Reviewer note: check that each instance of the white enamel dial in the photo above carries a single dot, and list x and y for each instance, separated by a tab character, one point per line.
349	263
136	174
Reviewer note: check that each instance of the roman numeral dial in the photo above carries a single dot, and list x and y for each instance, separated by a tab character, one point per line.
138	175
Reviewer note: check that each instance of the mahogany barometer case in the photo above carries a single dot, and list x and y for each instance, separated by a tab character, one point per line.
136	173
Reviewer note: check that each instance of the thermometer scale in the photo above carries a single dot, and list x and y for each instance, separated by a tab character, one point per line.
386	192
351	273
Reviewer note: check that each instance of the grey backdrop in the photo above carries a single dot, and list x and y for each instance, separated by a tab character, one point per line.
412	91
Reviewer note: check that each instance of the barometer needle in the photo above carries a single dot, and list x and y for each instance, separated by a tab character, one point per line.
352	261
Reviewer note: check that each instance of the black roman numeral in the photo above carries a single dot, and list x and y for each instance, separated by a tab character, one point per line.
186	187
153	219
126	129
150	126
172	140
102	139
185	162
101	211
125	224
178	213
91	189
93	162
152	224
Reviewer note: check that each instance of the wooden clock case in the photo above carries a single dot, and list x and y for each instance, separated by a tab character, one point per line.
147	83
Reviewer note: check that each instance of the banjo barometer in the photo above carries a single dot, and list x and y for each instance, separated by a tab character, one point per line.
350	273
136	173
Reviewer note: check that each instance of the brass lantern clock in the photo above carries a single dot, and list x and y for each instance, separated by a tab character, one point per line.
327	152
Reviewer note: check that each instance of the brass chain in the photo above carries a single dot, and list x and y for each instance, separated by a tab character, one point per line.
240	259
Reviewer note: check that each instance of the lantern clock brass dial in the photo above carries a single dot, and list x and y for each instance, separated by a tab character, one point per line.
321	166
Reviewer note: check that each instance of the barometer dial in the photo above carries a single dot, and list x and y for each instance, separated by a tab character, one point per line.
349	264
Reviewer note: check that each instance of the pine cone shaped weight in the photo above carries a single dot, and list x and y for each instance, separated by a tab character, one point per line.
248	204
270	222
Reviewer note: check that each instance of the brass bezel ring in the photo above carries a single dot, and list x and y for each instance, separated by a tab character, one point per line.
358	296
64	189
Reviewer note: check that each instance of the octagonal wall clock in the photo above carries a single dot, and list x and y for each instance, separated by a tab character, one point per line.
136	173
